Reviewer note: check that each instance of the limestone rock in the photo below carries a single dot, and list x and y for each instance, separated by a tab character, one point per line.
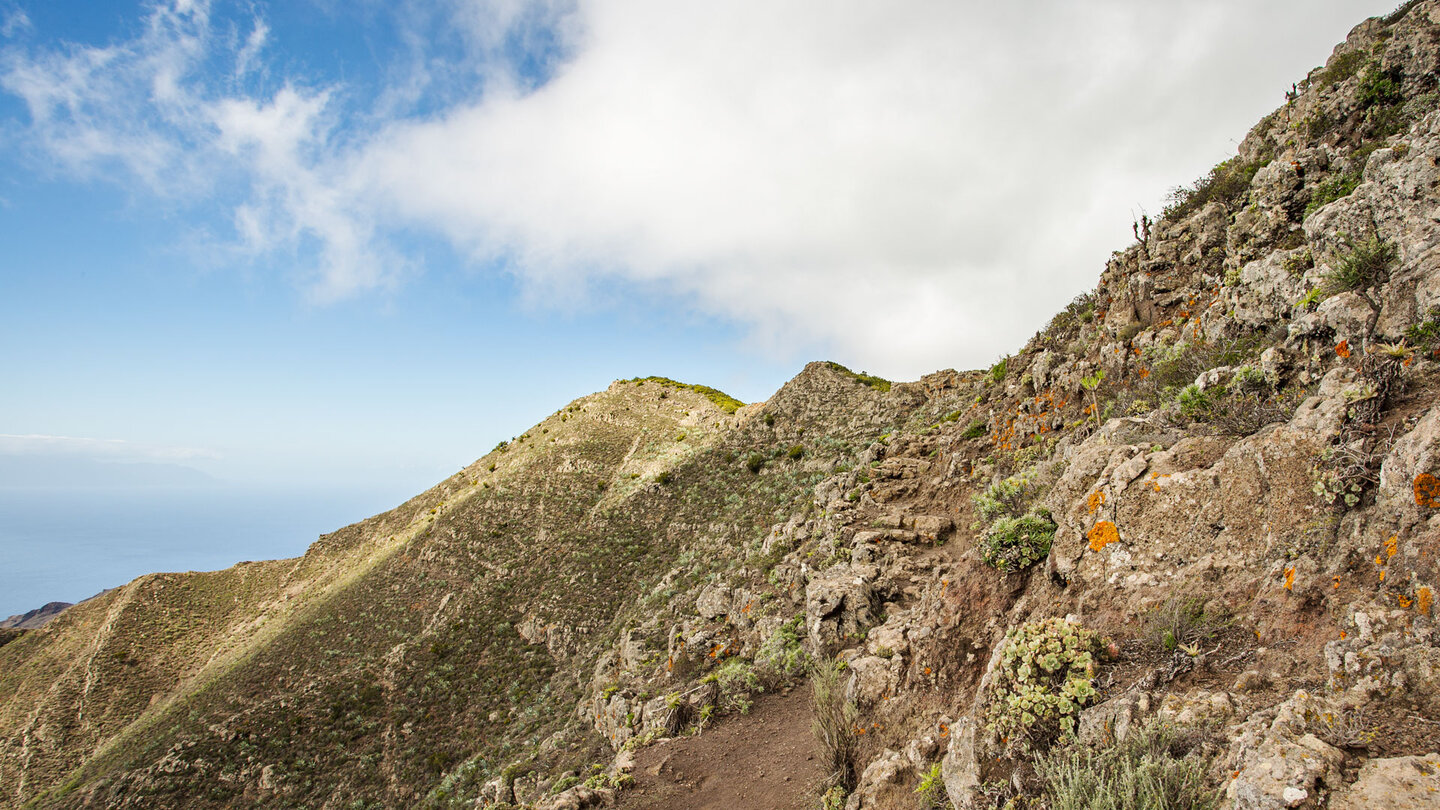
1397	783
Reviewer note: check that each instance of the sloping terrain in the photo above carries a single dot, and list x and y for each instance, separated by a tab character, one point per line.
1191	526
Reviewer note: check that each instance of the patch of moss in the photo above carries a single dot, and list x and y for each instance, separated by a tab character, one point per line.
722	400
878	383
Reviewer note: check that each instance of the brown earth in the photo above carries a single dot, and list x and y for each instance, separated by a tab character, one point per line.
765	760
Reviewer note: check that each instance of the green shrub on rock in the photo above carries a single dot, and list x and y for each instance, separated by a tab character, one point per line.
1015	535
1046	676
1015	543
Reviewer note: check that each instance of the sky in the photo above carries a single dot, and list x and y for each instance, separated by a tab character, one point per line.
354	244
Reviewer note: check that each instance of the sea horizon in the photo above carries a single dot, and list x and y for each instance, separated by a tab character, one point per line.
70	544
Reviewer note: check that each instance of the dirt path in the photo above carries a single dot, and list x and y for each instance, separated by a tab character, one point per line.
761	761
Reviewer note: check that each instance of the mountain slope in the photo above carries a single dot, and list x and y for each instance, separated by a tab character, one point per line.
1201	502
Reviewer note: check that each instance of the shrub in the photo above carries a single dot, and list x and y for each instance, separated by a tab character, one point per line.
975	430
1361	266
754	462
998	371
1183	622
795	452
833	725
1227	183
1014	534
736	679
1152	769
1015	543
878	383
1426	334
1330	190
722	400
1341	67
1046	676
663	478
782	658
931	790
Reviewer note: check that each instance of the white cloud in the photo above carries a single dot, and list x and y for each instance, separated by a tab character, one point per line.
15	22
904	186
33	444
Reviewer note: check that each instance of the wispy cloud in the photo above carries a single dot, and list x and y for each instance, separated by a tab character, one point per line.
32	444
15	21
908	186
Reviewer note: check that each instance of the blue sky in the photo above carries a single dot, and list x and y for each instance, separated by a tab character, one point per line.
358	243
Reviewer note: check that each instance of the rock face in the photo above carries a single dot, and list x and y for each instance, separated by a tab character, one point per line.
1221	469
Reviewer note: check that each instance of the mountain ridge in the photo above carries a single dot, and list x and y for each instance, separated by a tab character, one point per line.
1201	502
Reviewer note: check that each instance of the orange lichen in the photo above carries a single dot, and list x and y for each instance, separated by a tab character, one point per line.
1427	491
1391	546
1337	583
1103	534
1404	601
1095	501
1423	600
1343	348
1144	372
1290	578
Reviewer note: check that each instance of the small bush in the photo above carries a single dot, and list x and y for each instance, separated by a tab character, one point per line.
663	478
1014	535
1341	68
1227	183
1015	543
1425	335
795	452
1183	621
1046	677
878	383
754	462
833	724
1361	266
1152	769
975	430
931	790
1330	190
998	371
722	400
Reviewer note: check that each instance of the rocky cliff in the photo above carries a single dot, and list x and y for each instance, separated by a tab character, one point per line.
1177	551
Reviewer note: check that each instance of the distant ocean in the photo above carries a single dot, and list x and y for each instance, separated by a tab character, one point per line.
68	545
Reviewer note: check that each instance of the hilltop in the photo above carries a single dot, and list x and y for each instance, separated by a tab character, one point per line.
1186	534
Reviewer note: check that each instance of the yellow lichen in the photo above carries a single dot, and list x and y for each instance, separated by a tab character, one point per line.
1427	491
1290	578
1103	534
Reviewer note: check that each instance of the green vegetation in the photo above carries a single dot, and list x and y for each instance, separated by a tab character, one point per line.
722	400
833	724
878	383
1341	68
1361	266
1330	190
1016	535
997	372
1046	677
1227	183
1425	335
931	790
1184	622
755	462
1242	406
1154	768
795	452
975	430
